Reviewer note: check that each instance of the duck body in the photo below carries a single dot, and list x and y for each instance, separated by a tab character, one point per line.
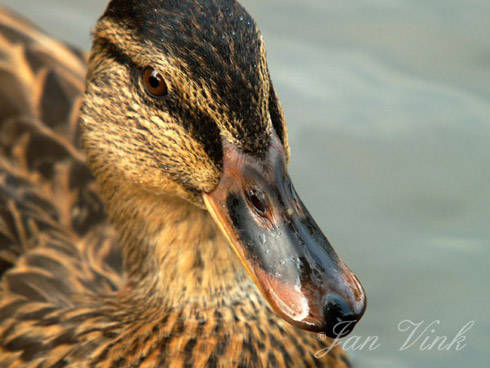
68	294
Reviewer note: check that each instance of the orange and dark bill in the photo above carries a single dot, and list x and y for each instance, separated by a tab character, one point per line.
281	246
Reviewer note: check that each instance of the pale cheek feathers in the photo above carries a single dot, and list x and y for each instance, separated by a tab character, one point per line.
133	141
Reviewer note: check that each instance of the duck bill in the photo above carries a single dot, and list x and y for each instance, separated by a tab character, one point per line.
281	246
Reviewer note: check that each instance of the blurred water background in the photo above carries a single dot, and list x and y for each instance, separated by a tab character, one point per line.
388	106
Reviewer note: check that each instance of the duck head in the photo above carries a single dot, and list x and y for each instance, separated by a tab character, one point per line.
179	102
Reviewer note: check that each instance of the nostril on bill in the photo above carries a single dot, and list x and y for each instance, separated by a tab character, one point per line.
339	317
257	198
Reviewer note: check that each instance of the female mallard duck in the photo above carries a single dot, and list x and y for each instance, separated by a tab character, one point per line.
184	134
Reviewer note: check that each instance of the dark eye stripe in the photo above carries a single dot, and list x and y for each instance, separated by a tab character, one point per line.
116	52
199	124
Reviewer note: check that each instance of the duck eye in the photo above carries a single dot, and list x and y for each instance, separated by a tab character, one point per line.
154	83
257	199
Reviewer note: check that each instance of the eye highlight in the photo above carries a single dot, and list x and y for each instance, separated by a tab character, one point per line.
154	83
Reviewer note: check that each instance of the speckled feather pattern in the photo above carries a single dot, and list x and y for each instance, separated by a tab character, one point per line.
66	298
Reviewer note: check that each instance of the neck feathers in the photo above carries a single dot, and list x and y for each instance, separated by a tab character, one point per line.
173	251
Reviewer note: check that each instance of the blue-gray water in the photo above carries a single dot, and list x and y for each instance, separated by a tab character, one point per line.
388	105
